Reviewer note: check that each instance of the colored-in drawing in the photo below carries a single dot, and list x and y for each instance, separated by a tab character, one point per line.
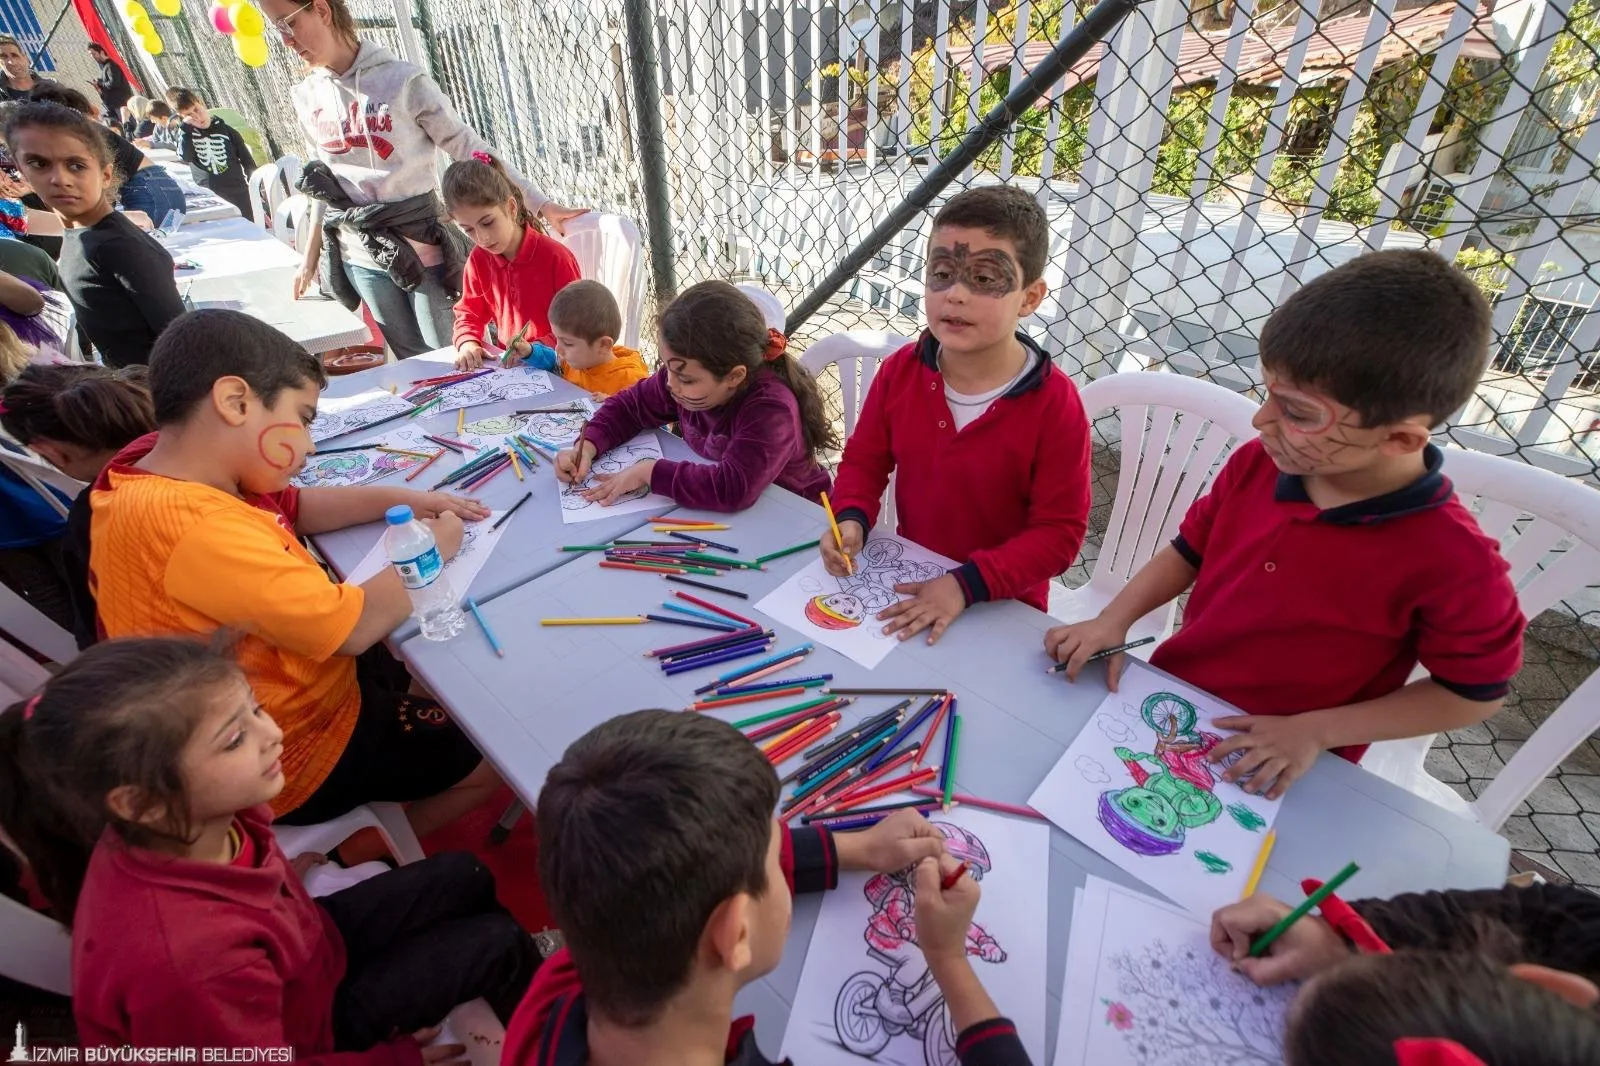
500	385
872	1008
1195	1010
1214	864
1246	817
1118	1016
614	461
495	426
838	611
351	468
557	429
1153	815
340	416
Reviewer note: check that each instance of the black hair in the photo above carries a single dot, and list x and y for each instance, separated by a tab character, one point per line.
1008	213
84	404
202	346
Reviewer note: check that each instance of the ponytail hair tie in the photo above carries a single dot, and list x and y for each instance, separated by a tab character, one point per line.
483	157
1432	1051
777	344
4	410
29	707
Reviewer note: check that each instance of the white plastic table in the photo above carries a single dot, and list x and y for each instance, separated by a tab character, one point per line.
556	683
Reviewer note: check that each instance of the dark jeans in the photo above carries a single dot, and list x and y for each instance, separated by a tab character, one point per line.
39	575
152	191
412	322
420	941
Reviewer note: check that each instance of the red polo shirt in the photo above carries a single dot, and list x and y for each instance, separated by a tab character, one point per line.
1299	609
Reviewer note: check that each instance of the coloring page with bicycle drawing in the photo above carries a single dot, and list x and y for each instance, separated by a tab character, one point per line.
841	612
1144	988
1137	786
865	992
575	508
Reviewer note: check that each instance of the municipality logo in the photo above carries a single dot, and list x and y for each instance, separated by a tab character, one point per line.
19	1050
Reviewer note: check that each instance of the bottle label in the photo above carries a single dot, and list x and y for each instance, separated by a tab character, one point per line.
418	573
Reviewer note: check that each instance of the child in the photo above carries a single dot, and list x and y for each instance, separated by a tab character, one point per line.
739	398
1331	554
141	184
200	533
157	129
118	277
986	439
671	883
77	417
136	784
586	321
214	149
513	272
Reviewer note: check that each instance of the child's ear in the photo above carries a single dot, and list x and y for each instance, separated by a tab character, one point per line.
727	934
1032	296
606	343
1403	438
736	376
230	396
1575	989
128	803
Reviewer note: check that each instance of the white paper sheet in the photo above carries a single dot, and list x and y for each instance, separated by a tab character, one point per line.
574	508
841	611
477	544
343	469
861	945
1144	988
488	388
1136	787
345	414
558	429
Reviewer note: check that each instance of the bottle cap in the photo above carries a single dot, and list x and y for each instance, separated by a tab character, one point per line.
398	515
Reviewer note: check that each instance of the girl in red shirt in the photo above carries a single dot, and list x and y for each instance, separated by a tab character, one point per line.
136	784
512	274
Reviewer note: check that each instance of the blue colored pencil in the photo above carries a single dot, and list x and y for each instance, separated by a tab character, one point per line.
809	681
703	615
732	676
735	640
472	606
702	540
906	729
849	762
683	622
737	651
854	753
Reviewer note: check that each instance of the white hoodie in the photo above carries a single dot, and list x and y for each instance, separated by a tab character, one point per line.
377	126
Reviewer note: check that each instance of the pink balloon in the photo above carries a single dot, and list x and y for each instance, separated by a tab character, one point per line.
220	19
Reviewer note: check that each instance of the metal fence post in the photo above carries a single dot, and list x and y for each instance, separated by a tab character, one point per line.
646	70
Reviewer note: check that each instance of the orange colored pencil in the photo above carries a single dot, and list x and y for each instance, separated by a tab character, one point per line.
868	780
425	465
666	521
799	742
933	729
788	734
899	784
753	697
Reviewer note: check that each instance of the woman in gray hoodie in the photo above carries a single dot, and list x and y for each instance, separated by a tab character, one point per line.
376	121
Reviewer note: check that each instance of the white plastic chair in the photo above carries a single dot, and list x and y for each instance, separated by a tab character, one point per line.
771	307
1549	531
389	819
1176	432
266	193
856	355
291	220
35	629
289	169
608	248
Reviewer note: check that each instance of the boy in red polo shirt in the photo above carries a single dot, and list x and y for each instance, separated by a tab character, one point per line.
1331	555
986	438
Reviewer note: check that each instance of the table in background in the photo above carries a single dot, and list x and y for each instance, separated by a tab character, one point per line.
530	543
557	683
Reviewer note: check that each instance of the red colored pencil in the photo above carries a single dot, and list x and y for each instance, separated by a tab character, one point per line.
698	602
950	879
916	777
754	697
610	565
665	521
933	728
867	780
984	804
425	465
771	729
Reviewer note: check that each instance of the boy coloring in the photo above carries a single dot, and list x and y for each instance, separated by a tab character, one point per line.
585	320
987	440
215	149
1331	555
671	882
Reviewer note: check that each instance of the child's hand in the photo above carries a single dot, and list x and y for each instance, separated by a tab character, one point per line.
1073	644
1305	949
1278	750
305	862
304	278
438	1054
447	532
934	603
900	840
515	354
944	915
471	356
609	488
434	504
572	464
853	536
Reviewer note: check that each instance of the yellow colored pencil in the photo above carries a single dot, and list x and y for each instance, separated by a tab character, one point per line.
516	467
1261	863
639	620
402	451
787	735
461	421
838	538
688	529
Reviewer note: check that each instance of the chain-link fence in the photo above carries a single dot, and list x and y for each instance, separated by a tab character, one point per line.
1196	167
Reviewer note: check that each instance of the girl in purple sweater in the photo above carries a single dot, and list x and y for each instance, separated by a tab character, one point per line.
739	399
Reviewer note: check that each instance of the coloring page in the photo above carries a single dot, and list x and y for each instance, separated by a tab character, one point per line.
1144	988
490	388
574	508
558	429
1136	786
841	612
343	469
866	992
346	414
477	544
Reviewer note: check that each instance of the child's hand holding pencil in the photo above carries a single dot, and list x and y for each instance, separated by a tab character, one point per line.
1302	951
839	555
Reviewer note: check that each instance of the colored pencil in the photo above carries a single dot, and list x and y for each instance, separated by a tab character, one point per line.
1106	653
982	804
415	411
718	560
780	553
712	660
350	448
949	880
698	602
472	607
818	729
891	691
748	672
485	477
671	620
378	422
668	520
762	732
666	545
838	538
752	675
933	727
869	777
527	456
585	547
516	464
443	442
763	641
692	645
503	519
886	808
748	697
425	465
887	788
461	421
544	453
947	773
709	588
703	541
851	756
636	620
643	568
1266	940
446	441
788	734
669	529
868	726
811	681
402	451
922	714
763	719
1260	867
681	609
570	409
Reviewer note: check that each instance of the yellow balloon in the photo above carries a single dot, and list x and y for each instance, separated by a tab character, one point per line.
142	25
246	20
168	8
133	9
152	43
251	50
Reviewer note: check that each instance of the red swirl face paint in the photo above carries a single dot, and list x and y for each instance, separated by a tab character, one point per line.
275	445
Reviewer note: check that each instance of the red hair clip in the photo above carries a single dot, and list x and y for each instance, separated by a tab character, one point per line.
29	707
483	157
1432	1051
777	344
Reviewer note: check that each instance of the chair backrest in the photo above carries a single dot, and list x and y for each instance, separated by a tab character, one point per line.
252	136
32	627
38	949
856	354
608	250
291	220
289	170
1175	433
266	193
771	307
1557	737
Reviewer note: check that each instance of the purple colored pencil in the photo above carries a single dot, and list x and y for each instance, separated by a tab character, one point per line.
694	645
712	660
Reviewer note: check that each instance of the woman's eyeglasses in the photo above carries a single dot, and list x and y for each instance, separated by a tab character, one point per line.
285	25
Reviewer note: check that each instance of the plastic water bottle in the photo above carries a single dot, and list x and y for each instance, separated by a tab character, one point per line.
415	554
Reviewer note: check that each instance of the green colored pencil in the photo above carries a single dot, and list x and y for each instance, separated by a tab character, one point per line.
767	558
415	411
586	547
780	712
742	564
1265	940
950	759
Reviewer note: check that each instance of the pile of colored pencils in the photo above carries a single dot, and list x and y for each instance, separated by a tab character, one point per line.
425	391
671	557
487	463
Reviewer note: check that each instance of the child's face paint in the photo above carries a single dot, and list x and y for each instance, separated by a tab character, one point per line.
1306	432
974	289
987	271
282	439
696	388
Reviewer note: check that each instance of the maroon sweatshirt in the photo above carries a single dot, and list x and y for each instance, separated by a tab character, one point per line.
169	952
754	440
